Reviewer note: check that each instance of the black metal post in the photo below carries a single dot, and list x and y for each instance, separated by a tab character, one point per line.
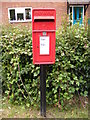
43	89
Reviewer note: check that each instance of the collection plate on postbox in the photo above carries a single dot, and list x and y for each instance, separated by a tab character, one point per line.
43	35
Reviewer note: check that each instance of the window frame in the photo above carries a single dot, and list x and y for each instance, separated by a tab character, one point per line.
16	12
72	11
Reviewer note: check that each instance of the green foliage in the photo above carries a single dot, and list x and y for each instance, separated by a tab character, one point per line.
68	76
20	76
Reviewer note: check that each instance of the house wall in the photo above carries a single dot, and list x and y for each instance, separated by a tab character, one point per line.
88	11
0	12
61	9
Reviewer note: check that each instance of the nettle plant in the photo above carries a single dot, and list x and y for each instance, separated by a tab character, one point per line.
67	77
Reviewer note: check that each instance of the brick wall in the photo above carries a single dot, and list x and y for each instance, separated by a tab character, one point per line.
0	12
87	14
61	9
88	11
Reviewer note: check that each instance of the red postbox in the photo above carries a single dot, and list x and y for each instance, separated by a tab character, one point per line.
43	35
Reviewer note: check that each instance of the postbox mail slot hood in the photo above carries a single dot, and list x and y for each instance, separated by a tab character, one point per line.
44	17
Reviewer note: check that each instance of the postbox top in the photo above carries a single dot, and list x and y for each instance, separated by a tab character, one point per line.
44	13
44	9
44	19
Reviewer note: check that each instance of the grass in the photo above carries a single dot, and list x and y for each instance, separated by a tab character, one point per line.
15	111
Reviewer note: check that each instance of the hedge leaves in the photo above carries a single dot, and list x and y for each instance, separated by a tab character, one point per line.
68	76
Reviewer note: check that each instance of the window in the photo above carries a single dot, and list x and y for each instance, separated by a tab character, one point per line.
28	14
76	14
12	14
20	14
70	15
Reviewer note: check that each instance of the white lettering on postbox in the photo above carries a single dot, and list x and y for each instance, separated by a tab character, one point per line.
44	45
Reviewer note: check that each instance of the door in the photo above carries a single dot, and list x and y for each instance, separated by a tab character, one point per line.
77	15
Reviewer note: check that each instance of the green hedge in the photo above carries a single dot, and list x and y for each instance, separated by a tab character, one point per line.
67	77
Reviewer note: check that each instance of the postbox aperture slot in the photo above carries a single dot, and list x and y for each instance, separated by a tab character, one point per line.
43	20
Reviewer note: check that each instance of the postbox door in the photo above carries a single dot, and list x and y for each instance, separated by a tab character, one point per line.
44	46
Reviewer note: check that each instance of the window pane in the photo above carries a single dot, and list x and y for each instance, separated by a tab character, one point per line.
12	14
20	16
80	12
70	13
28	14
75	13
